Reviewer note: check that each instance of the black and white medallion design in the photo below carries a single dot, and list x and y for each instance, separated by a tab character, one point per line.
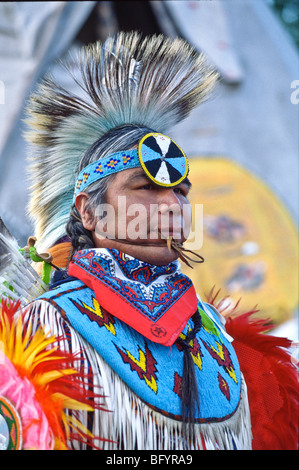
162	160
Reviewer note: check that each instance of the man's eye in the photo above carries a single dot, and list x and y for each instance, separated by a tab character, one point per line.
146	186
181	191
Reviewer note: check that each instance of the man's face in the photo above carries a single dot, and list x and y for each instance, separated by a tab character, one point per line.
144	213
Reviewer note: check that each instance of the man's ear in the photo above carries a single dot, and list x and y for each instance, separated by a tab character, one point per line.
88	219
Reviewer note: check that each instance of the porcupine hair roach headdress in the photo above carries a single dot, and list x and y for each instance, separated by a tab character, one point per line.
127	80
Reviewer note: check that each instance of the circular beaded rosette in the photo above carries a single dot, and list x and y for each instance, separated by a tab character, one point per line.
162	159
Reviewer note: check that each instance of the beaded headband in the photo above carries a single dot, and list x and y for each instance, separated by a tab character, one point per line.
159	156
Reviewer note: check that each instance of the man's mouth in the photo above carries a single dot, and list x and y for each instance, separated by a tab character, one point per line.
165	232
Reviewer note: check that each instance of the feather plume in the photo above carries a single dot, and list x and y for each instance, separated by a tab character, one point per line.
153	81
272	381
42	384
271	376
18	279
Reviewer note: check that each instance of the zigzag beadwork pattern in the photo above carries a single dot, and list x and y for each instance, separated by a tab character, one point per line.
115	162
143	365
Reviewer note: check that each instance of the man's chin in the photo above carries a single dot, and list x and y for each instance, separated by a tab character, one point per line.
150	251
152	254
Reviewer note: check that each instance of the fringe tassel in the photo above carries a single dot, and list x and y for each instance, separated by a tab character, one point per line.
189	398
136	426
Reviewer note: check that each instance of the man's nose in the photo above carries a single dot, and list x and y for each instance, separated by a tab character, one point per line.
169	196
169	200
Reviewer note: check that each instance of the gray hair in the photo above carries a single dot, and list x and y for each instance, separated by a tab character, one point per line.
121	138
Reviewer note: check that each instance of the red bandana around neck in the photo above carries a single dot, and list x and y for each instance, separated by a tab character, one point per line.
156	301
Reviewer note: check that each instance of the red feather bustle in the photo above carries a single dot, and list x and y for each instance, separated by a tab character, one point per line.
272	382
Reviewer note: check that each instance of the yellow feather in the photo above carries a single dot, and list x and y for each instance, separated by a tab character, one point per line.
71	403
47	377
75	424
25	351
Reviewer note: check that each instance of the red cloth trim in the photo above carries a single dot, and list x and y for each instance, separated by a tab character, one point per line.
164	331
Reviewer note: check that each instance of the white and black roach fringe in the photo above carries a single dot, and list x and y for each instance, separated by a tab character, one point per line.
127	80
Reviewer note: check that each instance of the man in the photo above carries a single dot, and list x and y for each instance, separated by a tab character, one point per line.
167	368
